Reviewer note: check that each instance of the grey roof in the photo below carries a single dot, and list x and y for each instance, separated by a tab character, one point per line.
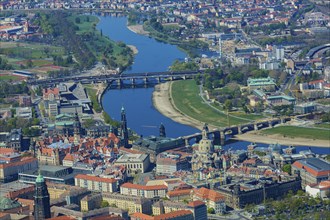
316	164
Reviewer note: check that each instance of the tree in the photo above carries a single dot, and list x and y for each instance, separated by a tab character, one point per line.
228	105
287	168
104	204
77	20
211	210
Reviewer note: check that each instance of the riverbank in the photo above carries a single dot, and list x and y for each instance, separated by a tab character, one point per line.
138	29
163	102
256	136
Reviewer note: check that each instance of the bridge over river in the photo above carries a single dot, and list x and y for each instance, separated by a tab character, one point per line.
219	135
132	79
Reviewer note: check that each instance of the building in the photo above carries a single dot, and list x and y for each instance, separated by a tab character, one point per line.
11	165
168	163
268	84
176	215
237	196
53	174
155	191
312	170
41	200
24	100
212	199
178	195
57	191
95	183
305	108
134	163
24	112
320	190
198	208
14	190
91	202
54	153
15	139
128	202
100	214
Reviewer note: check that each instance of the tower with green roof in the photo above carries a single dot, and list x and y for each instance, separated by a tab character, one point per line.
41	199
123	128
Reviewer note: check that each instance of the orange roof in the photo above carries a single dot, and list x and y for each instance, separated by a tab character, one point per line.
54	91
204	193
62	218
196	203
165	216
95	178
179	192
6	151
313	172
69	157
137	186
325	184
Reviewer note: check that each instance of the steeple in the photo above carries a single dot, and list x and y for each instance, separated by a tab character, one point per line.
123	128
205	131
41	199
162	132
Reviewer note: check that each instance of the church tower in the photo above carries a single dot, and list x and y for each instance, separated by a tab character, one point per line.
123	128
76	129
162	132
41	199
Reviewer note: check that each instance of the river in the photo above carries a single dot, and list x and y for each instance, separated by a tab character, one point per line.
153	56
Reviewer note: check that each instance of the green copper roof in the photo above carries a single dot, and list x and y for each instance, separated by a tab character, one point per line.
6	203
122	109
40	178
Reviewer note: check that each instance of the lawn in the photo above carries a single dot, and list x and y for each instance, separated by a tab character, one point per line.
324	125
8	77
185	95
293	131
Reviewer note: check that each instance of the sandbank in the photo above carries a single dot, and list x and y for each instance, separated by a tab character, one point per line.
138	29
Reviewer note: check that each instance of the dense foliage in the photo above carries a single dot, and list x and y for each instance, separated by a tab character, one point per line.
63	32
4	64
8	89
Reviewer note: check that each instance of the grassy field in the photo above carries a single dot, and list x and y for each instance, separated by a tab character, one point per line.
93	97
186	98
299	132
323	126
8	77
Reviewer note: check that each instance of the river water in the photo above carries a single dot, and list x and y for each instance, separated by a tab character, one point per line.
153	56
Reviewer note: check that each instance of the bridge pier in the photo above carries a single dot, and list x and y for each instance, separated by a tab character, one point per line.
255	127
217	138
133	82
158	79
184	77
119	83
186	141
145	81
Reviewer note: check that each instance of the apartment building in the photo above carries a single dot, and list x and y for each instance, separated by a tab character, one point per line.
156	191
95	183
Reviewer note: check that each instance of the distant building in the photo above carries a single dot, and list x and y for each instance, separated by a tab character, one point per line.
319	190
212	199
176	215
95	183
24	112
129	202
168	163
312	170
305	108
155	191
267	84
238	196
134	163
15	139
11	165
91	202
24	101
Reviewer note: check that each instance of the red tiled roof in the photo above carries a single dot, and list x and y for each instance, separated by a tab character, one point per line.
179	192
170	215
137	186
95	178
69	157
196	203
310	170
204	193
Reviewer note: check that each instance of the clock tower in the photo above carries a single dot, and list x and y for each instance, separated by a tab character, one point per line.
41	199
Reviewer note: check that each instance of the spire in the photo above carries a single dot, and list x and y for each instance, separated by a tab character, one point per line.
122	109
40	178
162	132
205	131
